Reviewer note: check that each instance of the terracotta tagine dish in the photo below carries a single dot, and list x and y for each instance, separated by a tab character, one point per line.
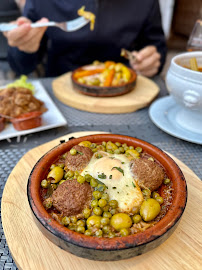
107	197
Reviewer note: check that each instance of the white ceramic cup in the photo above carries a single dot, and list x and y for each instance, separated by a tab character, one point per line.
185	86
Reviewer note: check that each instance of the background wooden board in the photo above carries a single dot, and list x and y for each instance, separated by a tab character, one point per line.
31	250
141	96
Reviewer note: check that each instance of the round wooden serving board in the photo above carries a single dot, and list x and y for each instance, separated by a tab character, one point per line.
32	250
141	96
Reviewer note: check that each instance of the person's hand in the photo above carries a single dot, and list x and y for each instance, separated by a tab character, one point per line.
147	61
24	37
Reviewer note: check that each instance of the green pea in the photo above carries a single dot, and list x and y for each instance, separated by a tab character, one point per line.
104	221
54	186
72	227
98	233
106	229
166	181
113	211
117	151
97	194
126	148
80	229
111	235
94	203
137	219
52	166
151	158
131	147
48	203
69	174
97	211
86	212
88	177
61	165
110	151
107	214
105	196
88	233
93	182
121	149
139	149
105	208
73	219
81	223
124	145
73	152
64	155
146	193
113	204
93	145
104	144
102	203
135	210
155	195
94	150
124	232
111	146
45	183
159	199
118	144
76	174
65	221
81	179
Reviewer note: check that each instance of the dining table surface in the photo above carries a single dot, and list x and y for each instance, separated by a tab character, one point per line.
136	124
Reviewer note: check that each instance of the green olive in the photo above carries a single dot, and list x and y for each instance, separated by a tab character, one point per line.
94	203
149	209
93	221
97	211
88	177
45	183
102	203
104	221
81	179
107	214
65	221
97	194
159	200
120	221
86	213
124	232
80	229
111	146
137	218
73	152
56	173
166	181
113	204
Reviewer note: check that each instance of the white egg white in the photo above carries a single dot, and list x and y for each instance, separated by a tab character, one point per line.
114	171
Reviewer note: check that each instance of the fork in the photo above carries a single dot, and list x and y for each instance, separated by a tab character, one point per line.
68	26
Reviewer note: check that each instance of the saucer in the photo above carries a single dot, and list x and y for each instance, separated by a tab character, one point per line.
163	113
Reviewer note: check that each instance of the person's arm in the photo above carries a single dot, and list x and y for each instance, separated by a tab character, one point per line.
151	58
25	43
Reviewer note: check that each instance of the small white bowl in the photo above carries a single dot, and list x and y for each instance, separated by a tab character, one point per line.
185	86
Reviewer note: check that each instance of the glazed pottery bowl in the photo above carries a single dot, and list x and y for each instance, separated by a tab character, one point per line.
99	91
185	86
106	249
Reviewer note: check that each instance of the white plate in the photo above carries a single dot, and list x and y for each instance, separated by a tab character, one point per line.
50	119
163	114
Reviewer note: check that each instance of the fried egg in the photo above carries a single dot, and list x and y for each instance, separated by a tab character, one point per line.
114	171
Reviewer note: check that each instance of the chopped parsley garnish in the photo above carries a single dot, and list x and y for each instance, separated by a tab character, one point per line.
110	177
80	153
114	187
119	169
126	185
122	162
112	157
118	192
49	220
133	185
102	176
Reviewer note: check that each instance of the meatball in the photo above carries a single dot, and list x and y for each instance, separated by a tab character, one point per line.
148	173
71	197
80	160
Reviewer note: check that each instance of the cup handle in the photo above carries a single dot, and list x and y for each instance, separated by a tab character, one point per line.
191	98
